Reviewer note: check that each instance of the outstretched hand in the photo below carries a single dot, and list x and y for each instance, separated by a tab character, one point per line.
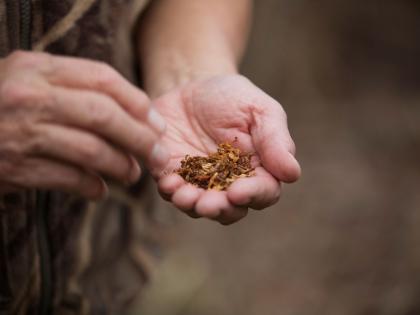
203	114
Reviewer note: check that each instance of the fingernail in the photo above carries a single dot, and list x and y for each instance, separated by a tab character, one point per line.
294	159
135	170
296	170
103	190
156	120
159	155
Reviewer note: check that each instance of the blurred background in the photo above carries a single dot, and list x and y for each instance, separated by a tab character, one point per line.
345	239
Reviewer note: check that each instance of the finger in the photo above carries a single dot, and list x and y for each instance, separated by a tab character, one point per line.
232	216
48	174
214	205
92	75
84	150
257	192
192	214
169	168
169	184
100	114
186	196
274	144
135	169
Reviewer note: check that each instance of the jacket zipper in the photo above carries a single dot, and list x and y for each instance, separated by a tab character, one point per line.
25	24
42	198
42	203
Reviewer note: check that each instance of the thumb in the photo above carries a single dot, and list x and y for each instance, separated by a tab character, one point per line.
274	144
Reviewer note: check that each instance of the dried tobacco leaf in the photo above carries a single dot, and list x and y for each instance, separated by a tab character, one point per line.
218	170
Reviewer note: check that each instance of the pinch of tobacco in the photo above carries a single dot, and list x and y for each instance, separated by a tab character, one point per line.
218	170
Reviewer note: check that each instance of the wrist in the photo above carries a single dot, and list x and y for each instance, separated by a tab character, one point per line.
178	70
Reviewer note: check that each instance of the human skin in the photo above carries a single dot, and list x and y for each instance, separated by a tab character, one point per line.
189	52
66	130
66	123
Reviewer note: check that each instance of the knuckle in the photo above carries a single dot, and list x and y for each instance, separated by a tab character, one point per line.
20	58
13	93
37	144
26	103
16	93
45	101
91	151
17	56
99	116
28	132
106	76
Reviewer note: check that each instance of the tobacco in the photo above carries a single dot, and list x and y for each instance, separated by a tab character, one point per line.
218	170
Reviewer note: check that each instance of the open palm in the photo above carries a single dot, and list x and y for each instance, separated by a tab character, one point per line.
203	114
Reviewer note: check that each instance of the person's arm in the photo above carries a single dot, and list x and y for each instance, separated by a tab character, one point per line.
184	40
189	51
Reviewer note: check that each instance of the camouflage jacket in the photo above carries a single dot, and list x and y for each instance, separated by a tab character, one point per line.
60	254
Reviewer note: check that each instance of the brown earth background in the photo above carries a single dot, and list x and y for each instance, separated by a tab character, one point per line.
345	239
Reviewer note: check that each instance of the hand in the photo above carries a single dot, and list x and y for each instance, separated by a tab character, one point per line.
66	122
203	114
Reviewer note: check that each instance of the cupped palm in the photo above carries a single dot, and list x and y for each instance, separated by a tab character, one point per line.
202	114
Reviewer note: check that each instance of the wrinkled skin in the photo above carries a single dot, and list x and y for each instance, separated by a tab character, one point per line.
202	114
67	123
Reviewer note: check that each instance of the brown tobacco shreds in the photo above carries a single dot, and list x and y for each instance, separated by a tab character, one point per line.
218	170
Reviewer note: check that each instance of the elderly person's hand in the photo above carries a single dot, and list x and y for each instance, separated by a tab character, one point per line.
66	122
202	114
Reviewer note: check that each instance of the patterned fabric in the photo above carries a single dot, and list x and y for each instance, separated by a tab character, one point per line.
99	253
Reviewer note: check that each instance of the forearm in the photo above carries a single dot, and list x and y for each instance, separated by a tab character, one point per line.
183	40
